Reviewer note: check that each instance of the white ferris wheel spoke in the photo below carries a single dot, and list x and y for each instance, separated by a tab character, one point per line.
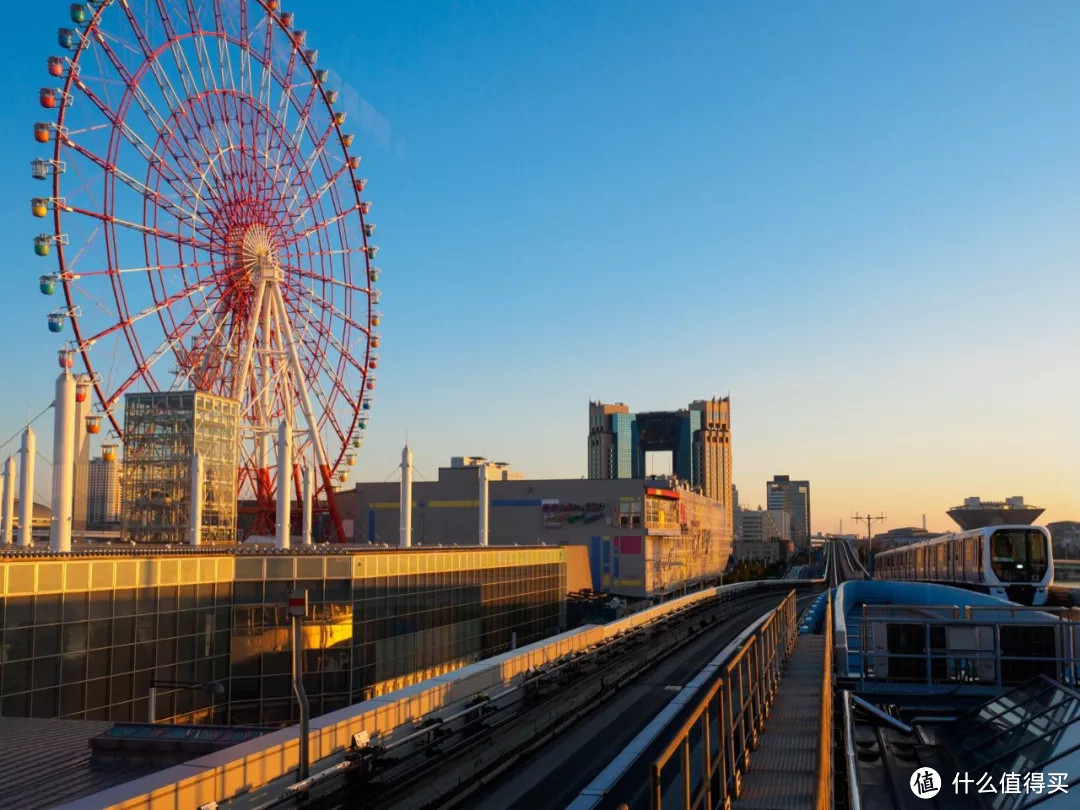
312	341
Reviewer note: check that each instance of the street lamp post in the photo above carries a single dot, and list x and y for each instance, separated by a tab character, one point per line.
298	612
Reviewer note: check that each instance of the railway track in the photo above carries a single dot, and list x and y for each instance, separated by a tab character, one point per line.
447	763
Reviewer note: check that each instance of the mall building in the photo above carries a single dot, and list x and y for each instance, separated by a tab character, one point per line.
643	537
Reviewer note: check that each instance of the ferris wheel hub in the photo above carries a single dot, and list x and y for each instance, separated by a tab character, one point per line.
259	255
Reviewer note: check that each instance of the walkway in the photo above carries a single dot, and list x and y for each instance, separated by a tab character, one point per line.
783	771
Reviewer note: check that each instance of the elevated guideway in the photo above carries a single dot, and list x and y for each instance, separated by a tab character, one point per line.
703	749
842	563
552	773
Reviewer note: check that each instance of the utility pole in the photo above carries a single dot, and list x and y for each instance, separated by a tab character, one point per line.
868	519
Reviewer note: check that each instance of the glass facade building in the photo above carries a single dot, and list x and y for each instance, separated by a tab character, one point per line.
698	438
84	635
162	432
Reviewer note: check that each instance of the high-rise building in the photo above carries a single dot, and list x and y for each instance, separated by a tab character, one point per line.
792	497
698	438
710	467
612	435
103	493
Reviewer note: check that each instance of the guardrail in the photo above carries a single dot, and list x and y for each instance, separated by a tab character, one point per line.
716	740
823	800
967	647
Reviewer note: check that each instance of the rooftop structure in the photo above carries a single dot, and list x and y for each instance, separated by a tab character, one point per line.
497	470
162	432
976	513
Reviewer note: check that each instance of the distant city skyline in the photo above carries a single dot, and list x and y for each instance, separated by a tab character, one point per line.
858	220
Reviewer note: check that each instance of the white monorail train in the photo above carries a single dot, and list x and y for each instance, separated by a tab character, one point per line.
1012	562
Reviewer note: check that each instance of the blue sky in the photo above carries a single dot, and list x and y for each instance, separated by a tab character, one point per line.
858	220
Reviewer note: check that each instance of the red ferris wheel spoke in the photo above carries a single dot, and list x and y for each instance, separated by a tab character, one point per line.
134	91
318	226
161	77
131	182
245	57
127	321
143	229
115	271
209	81
314	383
191	87
334	376
144	370
331	280
313	199
322	303
313	352
300	177
137	141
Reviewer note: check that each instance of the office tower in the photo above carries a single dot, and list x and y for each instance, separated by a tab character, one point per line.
792	497
612	435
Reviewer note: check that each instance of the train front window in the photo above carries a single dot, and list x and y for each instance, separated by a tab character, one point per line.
1018	555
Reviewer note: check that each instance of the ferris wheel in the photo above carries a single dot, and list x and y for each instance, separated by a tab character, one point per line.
208	224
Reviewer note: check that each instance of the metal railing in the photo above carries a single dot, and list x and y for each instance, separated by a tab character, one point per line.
823	795
850	756
966	647
715	742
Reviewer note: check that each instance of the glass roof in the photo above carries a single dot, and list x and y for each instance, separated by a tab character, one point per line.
1032	729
